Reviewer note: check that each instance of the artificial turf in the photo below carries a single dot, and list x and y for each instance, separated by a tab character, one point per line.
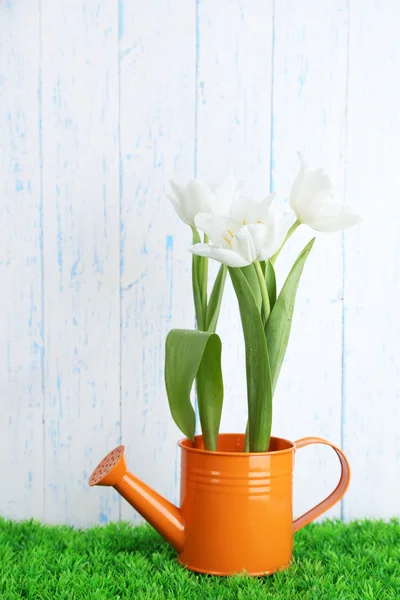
331	561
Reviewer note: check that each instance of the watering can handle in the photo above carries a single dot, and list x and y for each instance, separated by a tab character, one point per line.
337	493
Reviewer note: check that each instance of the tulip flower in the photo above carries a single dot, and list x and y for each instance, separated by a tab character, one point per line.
197	197
314	204
255	232
233	244
246	237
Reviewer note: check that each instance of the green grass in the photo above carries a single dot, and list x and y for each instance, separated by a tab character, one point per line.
331	561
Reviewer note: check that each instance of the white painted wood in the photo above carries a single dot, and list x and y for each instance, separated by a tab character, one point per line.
158	57
81	254
112	99
233	136
21	340
309	109
372	263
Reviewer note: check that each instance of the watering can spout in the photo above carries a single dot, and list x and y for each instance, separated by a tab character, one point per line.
165	517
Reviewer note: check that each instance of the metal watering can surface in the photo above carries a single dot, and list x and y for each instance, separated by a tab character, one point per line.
236	508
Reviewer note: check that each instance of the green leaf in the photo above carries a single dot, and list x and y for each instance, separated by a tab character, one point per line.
280	321
214	303
270	280
252	279
189	354
210	391
259	394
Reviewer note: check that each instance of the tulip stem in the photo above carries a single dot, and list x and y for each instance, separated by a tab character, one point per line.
264	291
204	282
289	233
196	284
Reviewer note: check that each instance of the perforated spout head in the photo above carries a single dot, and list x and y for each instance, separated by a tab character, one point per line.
111	469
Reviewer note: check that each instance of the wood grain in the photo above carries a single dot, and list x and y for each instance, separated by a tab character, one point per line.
100	104
21	306
81	255
234	111
158	57
309	110
371	383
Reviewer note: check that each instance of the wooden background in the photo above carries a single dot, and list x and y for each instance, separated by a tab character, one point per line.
101	103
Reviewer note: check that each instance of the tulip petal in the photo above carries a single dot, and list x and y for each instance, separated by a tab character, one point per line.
217	228
194	198
178	210
248	211
262	237
199	197
222	255
338	222
224	194
296	191
201	249
268	208
243	244
178	189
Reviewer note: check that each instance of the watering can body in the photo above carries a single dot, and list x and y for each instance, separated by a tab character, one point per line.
236	508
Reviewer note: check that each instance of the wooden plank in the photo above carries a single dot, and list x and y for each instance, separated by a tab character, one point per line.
372	263
21	343
157	50
309	108
81	251
233	136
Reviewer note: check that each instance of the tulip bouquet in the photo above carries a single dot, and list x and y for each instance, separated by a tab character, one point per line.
246	237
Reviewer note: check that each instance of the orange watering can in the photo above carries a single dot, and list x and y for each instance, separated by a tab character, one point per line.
236	507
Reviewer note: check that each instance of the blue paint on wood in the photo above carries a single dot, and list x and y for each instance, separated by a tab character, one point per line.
59	235
32	306
120	19
75	265
97	264
103	518
301	79
121	247
169	244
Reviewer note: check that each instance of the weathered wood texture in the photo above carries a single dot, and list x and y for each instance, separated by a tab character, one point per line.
100	104
308	114
21	256
157	128
79	74
371	350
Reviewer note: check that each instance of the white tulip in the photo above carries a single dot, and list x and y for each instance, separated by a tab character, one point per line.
197	197
313	202
235	242
247	211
